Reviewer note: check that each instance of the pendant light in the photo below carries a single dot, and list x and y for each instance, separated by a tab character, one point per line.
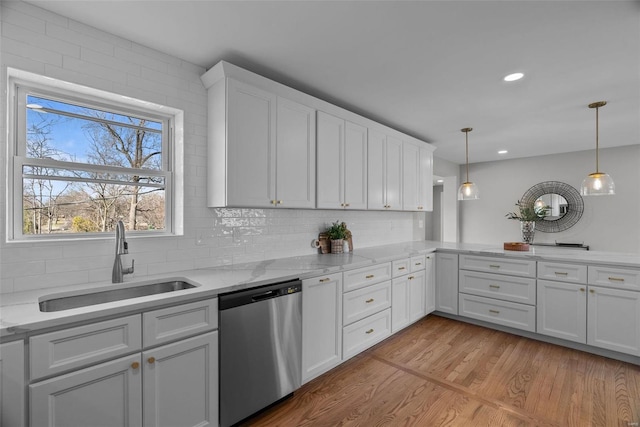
597	183
468	190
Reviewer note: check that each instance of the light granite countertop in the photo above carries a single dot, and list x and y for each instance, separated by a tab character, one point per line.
20	314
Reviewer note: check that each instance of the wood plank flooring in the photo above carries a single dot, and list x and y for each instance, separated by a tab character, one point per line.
440	372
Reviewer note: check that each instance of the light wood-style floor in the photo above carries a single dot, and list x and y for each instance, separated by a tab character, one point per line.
440	372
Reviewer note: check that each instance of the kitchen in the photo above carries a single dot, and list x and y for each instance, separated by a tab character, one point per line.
42	42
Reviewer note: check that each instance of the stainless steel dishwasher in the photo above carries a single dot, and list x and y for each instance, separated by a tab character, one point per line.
260	348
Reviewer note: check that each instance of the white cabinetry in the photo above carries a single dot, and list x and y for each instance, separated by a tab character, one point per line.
384	172
498	290
430	284
173	384
417	177
261	148
366	308
613	319
447	282
408	290
341	163
12	381
321	325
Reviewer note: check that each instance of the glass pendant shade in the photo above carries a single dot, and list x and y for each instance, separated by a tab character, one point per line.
468	191
597	183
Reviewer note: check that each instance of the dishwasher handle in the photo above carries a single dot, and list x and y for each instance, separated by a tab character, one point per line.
266	295
258	294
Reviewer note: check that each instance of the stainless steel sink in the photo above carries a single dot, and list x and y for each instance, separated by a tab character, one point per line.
83	300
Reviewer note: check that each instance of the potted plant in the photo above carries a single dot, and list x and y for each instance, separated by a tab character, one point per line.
528	214
337	232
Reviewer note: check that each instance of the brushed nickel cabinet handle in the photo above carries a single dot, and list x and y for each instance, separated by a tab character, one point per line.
324	280
369	276
369	331
561	273
616	279
419	263
402	268
370	300
494	311
494	266
494	286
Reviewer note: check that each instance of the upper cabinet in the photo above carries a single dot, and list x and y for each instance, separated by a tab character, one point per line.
417	177
268	148
385	172
341	163
261	149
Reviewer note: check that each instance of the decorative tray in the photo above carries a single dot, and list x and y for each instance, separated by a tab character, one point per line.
516	246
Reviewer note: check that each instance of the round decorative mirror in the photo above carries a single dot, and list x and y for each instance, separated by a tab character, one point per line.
564	205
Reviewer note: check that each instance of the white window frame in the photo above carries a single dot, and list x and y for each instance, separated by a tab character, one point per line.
22	83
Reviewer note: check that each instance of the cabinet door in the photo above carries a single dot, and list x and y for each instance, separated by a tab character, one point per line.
181	383
393	174
447	283
251	137
321	325
329	139
410	177
562	310
613	320
375	171
425	180
416	295
430	285
355	166
12	391
109	395
399	303
295	163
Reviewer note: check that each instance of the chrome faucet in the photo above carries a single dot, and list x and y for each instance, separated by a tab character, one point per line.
122	247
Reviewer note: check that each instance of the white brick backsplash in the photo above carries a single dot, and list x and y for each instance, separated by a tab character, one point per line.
41	42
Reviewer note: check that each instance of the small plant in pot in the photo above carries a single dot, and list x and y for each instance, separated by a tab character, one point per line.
337	232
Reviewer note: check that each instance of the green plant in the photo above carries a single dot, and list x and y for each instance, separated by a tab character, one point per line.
528	212
337	231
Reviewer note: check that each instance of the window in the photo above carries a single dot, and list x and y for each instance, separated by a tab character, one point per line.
82	163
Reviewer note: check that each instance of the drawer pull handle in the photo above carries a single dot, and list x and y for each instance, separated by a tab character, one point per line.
494	311
581	289
369	331
325	280
135	365
369	276
370	300
494	286
561	273
494	266
411	277
419	263
151	360
402	268
616	279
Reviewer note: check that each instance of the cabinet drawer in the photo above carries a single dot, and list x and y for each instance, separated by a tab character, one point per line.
514	315
417	263
514	267
508	288
562	272
401	267
615	277
361	303
172	323
365	333
76	347
361	277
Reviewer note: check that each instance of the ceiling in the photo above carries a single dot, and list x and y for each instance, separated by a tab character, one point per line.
427	68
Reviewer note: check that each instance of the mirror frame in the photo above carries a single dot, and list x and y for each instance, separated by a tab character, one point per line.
575	205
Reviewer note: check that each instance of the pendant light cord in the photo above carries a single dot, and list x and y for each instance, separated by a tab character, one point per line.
466	138
597	142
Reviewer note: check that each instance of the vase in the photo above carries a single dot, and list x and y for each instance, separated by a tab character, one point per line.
337	246
528	229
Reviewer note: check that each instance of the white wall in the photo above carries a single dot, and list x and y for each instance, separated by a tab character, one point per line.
44	43
609	223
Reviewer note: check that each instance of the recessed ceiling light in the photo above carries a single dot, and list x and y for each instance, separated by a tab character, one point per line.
513	77
439	180
502	152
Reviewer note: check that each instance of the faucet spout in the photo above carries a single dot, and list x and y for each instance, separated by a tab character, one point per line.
122	247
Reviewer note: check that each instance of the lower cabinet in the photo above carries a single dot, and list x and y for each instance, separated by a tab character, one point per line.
321	325
447	282
408	300
12	382
613	319
429	284
172	382
562	310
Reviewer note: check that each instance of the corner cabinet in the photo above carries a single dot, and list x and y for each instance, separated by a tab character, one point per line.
447	282
341	163
262	148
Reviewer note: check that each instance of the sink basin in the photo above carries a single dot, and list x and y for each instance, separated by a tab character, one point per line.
83	300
